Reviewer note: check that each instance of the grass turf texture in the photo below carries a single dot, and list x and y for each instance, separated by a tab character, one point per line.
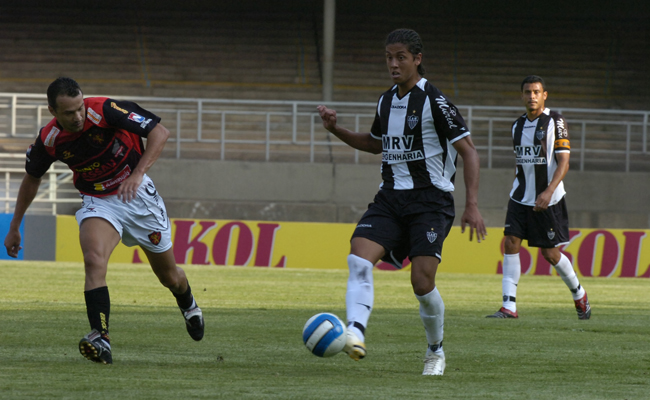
253	347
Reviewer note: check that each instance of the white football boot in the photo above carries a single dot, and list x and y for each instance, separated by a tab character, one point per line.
355	348
434	363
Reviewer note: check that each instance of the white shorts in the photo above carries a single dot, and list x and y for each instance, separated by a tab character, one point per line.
141	222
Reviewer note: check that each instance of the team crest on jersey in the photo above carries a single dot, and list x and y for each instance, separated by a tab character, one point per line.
539	134
550	234
412	120
155	237
432	236
97	138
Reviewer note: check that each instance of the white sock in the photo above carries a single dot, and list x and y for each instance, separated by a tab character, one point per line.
511	274
432	312
568	275
359	298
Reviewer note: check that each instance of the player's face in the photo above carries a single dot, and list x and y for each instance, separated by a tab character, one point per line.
402	65
533	96
70	112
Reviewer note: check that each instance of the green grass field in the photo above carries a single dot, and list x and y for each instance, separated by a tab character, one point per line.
253	348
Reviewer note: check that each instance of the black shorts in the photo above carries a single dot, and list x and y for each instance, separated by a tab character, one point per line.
545	229
415	222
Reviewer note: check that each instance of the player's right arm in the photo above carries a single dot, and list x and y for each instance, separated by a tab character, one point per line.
358	140
26	194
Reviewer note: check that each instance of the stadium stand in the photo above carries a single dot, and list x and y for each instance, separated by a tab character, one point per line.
588	63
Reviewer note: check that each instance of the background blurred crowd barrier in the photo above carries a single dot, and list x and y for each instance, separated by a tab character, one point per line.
291	131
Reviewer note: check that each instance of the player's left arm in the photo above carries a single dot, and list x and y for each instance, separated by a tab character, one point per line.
155	144
471	170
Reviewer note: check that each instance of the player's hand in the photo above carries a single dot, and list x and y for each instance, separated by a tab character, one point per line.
473	218
328	116
542	201
12	243
129	188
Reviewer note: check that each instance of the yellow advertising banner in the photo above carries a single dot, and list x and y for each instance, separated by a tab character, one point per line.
593	252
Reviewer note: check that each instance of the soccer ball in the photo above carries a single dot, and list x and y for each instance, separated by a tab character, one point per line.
324	335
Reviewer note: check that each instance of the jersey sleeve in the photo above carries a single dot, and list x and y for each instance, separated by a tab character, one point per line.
38	160
375	130
447	118
129	116
562	144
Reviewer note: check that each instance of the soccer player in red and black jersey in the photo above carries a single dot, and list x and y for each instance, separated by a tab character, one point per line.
537	209
100	139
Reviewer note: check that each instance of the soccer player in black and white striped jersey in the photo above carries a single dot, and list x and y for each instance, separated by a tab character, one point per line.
537	210
419	133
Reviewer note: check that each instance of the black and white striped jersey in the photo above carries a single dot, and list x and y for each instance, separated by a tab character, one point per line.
535	145
417	132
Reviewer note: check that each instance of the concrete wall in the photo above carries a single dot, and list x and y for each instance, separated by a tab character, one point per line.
341	193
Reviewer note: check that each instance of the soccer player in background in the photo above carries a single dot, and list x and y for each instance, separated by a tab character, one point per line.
100	139
419	133
537	210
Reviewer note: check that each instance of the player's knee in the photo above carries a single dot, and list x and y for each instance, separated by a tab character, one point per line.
552	260
93	260
511	244
174	280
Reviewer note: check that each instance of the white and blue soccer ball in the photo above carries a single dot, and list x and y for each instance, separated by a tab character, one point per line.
324	335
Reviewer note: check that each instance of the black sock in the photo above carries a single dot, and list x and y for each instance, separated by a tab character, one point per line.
435	347
98	307
186	299
357	325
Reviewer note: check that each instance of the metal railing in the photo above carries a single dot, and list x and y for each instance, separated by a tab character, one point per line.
291	130
56	187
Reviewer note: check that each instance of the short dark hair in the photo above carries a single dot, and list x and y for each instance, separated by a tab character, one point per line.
411	39
533	79
62	86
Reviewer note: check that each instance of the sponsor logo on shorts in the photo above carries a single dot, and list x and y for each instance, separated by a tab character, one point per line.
153	191
139	119
115	106
67	154
550	234
432	236
155	237
119	178
49	140
364	226
29	152
94	116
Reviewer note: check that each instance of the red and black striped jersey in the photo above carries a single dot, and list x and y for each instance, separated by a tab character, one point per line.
535	144
417	132
103	154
